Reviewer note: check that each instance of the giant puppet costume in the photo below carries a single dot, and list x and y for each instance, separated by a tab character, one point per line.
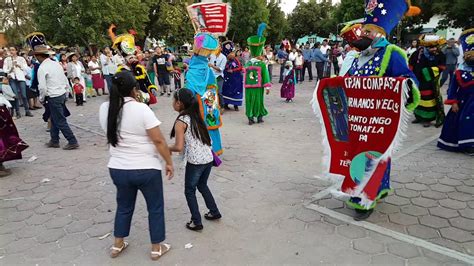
257	79
209	20
458	130
124	44
427	63
201	81
361	150
232	90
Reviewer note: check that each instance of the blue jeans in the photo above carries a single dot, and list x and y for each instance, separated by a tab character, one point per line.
58	120
108	80
220	84
149	182
19	88
196	177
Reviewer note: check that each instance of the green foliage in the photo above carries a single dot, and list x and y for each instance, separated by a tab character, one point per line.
169	20
457	13
348	10
246	16
278	24
312	18
85	22
15	19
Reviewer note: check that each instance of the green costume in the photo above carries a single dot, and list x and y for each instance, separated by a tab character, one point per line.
256	78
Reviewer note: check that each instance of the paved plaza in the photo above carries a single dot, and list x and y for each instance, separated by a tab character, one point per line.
277	210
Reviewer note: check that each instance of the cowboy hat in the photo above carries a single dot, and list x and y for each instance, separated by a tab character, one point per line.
42	49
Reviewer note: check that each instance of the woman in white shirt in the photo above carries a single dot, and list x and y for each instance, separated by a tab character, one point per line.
135	141
15	67
97	78
75	69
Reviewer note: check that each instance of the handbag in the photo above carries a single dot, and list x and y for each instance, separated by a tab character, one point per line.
216	160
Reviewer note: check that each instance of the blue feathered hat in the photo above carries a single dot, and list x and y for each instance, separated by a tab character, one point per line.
384	15
257	42
467	41
35	38
205	44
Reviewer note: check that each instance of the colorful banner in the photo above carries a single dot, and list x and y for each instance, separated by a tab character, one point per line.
210	17
361	118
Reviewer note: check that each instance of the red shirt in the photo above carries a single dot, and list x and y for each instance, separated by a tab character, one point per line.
78	89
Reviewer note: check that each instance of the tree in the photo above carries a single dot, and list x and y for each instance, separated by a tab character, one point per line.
169	20
311	18
457	13
278	24
79	22
15	18
348	10
246	16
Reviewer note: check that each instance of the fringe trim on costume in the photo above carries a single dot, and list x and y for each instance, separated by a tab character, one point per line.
326	148
365	202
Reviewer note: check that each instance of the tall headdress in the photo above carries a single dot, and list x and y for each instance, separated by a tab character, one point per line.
257	42
35	38
430	40
125	43
467	42
227	47
351	32
384	15
210	17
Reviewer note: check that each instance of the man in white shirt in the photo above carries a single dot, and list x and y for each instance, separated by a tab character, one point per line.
107	66
325	47
52	85
217	63
15	67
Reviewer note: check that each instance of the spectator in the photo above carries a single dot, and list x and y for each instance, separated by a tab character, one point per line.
412	49
2	59
325	47
451	51
15	67
135	140
308	57
320	60
298	65
217	64
292	56
282	57
269	59
245	56
105	61
53	88
97	78
76	69
336	58
149	65
159	66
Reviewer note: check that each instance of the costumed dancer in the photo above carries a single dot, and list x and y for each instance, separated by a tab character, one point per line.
201	81
11	145
428	62
232	90
32	40
124	44
380	58
458	130
289	82
257	79
350	33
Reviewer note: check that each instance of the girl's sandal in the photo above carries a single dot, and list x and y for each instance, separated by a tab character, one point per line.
115	251
164	248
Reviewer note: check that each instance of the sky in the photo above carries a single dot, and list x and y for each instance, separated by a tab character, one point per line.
288	5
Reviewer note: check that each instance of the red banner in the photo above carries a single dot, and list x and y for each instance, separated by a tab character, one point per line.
361	118
210	17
